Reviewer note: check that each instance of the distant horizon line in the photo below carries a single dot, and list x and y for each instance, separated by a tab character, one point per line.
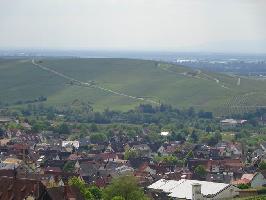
32	50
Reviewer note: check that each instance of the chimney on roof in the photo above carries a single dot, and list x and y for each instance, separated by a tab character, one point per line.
66	192
196	191
15	173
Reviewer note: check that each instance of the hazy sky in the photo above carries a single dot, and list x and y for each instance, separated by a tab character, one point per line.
182	25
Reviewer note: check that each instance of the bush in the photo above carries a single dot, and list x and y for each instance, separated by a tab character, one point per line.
243	186
98	138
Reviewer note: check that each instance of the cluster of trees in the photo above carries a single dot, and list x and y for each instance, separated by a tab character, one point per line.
200	172
131	154
144	113
121	188
21	102
169	160
88	192
184	124
69	166
38	99
97	138
43	125
252	117
124	188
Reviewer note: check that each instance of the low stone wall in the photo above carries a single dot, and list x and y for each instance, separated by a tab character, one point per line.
248	193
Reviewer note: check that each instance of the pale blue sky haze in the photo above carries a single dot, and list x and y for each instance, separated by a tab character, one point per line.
163	25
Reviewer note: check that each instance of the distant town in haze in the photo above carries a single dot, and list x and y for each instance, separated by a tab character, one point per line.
132	100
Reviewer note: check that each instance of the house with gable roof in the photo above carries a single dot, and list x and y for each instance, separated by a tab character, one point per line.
254	180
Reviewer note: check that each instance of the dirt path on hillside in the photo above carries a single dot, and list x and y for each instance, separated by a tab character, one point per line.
89	84
205	76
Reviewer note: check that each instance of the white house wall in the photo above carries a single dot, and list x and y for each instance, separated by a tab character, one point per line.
258	181
228	193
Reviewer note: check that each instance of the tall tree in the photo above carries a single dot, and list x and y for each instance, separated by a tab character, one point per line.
98	138
194	136
89	193
63	129
1	132
125	187
200	171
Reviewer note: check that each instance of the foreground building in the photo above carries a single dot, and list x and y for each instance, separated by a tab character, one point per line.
192	189
17	189
23	188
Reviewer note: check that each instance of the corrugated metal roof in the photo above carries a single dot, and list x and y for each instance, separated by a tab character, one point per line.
158	184
171	184
183	188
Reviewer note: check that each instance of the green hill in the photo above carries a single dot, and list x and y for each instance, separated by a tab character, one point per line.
122	84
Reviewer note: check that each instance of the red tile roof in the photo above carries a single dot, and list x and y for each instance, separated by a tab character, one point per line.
240	181
106	156
74	157
18	189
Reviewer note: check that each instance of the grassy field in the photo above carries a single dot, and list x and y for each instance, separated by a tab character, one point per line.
260	197
114	80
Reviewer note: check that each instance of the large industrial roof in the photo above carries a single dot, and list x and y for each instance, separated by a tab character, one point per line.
183	188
